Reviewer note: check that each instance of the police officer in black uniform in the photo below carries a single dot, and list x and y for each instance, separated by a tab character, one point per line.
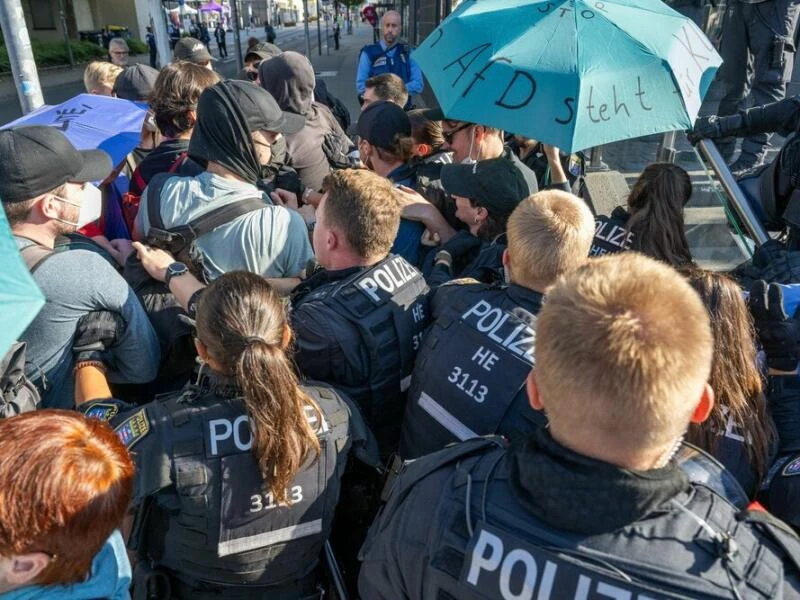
358	322
239	474
594	506
470	375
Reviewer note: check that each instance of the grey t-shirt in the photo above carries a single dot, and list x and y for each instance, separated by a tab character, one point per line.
75	282
272	242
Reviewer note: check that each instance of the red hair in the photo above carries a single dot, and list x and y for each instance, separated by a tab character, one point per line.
65	484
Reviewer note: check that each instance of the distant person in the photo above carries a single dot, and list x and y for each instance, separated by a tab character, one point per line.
99	77
386	86
390	55
220	36
65	484
370	15
150	38
252	59
337	30
193	50
118	52
270	31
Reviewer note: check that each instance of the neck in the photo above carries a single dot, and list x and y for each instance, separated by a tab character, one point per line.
383	168
41	234
218	169
492	147
349	260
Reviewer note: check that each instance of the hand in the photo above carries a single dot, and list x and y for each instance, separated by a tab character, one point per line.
552	153
707	128
121	249
95	333
430	239
779	335
461	243
284	198
154	261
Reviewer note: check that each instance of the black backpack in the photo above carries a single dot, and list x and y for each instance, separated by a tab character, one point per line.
17	393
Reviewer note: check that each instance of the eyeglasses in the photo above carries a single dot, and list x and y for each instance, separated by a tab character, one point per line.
449	135
119	53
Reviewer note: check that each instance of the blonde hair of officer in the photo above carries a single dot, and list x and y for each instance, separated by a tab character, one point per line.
623	355
549	233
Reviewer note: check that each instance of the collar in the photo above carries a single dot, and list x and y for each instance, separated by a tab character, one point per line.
321	278
576	493
402	174
529	299
211	382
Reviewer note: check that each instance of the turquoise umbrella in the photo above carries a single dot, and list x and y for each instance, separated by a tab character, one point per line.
575	73
20	299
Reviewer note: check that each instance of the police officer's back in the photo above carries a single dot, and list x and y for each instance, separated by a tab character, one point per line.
358	322
239	475
593	506
469	378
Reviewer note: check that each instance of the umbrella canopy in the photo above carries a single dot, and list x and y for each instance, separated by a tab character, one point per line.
572	73
90	122
211	6
20	299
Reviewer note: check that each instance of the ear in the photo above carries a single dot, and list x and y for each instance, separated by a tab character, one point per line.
423	149
47	207
533	391
506	259
286	337
332	241
26	567
704	407
202	351
480	133
482	213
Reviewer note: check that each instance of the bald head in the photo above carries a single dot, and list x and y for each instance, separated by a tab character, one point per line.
391	27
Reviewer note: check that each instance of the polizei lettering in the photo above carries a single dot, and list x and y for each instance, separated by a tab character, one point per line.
389	277
502	566
501	327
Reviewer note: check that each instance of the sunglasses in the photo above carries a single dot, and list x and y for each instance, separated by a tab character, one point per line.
449	135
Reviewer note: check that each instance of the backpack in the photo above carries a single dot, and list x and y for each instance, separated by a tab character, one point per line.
17	393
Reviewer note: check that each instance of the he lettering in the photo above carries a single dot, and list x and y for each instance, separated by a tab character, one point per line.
485	358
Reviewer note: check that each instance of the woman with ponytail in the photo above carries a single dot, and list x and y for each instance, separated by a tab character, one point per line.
238	475
653	222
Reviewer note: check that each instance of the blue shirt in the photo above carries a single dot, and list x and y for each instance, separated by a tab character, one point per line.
110	578
364	72
407	242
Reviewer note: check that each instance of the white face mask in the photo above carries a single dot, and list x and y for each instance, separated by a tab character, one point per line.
91	206
469	160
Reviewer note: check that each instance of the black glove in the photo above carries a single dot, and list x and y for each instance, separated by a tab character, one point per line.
712	128
779	335
460	244
96	332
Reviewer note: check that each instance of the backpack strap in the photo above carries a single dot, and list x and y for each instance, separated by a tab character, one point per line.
225	214
34	255
154	189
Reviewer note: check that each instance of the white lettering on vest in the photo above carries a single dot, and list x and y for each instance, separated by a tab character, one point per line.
389	277
496	323
229	429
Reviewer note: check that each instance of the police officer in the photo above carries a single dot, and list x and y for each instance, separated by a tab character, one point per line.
594	506
389	55
476	386
760	33
358	322
238	475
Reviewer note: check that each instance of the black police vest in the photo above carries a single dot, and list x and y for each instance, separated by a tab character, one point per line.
386	304
611	234
492	547
217	525
470	375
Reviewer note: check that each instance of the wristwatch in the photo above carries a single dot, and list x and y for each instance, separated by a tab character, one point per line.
176	269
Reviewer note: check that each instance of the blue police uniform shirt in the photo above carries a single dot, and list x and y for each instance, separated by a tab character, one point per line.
413	86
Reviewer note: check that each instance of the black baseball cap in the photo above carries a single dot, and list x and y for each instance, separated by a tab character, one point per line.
35	159
496	184
260	109
262	51
380	122
191	49
135	83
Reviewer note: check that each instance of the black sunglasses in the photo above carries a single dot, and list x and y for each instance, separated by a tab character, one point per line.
449	135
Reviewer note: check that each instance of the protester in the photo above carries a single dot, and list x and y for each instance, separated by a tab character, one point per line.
150	40
386	86
389	55
552	167
118	52
269	30
99	77
220	35
738	432
46	193
246	514
653	222
237	123
477	387
321	143
620	385
65	484
428	137
252	59
193	50
136	83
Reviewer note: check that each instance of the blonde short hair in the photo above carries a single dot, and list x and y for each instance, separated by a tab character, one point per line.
623	350
99	73
549	234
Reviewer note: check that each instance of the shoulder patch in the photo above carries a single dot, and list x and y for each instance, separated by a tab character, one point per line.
134	428
792	468
102	411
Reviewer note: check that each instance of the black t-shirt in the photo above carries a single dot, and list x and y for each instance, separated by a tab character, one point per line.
160	160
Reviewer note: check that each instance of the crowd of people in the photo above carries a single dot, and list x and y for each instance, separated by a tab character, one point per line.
407	364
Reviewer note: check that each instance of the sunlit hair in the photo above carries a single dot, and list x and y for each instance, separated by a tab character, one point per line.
549	234
242	322
175	93
65	484
388	86
100	73
425	131
656	205
735	379
623	352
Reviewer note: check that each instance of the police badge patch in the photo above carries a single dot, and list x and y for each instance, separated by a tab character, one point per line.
102	411
793	468
134	428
